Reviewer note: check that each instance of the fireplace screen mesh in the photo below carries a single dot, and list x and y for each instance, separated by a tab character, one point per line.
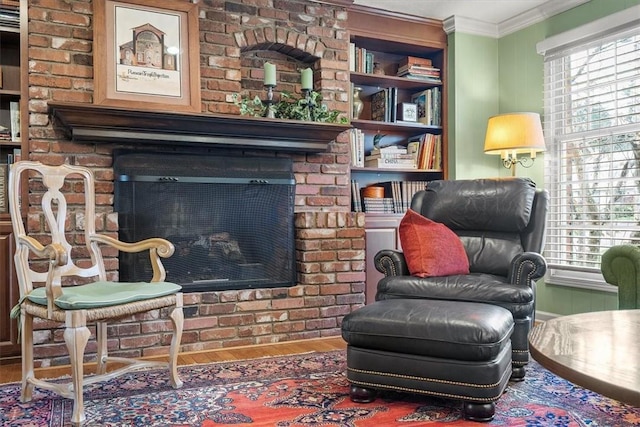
230	219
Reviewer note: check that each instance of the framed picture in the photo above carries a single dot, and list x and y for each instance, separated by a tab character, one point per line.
146	54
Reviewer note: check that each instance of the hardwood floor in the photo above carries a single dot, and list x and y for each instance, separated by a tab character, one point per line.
11	373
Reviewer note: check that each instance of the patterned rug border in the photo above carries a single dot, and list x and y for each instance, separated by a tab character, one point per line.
301	390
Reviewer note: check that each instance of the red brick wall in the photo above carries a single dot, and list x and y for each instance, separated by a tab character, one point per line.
236	37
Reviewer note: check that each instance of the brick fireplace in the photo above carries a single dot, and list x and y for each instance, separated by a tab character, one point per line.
236	37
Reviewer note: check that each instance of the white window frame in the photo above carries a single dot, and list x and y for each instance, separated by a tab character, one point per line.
617	23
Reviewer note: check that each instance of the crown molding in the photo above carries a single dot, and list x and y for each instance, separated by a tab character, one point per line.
461	24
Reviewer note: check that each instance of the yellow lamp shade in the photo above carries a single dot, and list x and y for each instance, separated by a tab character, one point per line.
514	133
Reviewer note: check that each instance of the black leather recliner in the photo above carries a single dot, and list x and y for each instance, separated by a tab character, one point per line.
502	224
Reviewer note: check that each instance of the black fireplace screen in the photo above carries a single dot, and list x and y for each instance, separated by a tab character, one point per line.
229	218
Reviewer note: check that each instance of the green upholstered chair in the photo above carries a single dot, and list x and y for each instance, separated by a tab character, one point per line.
621	267
57	288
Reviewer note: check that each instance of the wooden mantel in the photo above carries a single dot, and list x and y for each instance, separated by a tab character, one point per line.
88	123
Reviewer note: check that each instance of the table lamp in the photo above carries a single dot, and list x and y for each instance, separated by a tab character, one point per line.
514	133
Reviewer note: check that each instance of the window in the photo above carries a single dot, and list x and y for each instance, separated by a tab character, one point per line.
592	130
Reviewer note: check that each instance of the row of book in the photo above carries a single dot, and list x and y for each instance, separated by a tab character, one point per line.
397	197
427	151
360	60
422	152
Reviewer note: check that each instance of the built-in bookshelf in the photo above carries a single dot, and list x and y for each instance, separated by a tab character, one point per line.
398	69
12	86
403	58
10	91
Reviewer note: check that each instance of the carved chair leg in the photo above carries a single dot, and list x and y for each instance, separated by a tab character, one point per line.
102	350
177	318
76	336
26	325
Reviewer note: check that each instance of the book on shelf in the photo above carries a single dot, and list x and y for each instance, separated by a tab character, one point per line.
360	60
356	141
429	106
401	192
429	151
4	194
391	163
14	115
418	70
352	58
387	151
379	102
429	74
409	61
356	202
384	105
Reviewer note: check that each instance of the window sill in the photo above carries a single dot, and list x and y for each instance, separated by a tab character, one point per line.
593	282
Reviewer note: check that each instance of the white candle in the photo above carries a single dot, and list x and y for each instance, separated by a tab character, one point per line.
269	74
307	79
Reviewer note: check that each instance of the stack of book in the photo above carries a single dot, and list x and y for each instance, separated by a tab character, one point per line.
4	134
378	205
394	157
419	68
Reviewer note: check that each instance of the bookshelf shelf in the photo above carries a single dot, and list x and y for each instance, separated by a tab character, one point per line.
386	81
416	128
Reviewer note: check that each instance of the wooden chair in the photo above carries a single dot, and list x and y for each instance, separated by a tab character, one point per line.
49	280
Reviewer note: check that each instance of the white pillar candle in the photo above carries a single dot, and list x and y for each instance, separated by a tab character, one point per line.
269	74
307	79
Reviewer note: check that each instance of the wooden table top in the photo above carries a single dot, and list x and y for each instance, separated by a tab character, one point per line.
599	351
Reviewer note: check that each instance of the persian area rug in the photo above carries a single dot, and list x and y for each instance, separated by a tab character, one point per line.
302	390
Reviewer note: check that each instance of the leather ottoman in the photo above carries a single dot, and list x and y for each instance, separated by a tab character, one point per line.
450	349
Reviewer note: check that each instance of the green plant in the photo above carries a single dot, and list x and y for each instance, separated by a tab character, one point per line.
309	108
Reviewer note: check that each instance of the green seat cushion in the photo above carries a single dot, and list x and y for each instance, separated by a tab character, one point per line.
105	294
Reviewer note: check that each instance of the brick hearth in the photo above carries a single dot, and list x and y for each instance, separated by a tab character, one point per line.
236	37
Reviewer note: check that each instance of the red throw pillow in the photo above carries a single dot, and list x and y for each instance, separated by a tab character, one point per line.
431	248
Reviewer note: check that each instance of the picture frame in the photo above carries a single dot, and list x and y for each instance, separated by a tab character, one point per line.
147	55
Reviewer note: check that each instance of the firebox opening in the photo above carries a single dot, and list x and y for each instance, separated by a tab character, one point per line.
229	218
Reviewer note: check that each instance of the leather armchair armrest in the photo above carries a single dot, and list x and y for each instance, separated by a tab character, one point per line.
391	262
526	267
620	267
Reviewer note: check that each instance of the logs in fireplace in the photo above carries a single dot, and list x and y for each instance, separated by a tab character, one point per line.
229	218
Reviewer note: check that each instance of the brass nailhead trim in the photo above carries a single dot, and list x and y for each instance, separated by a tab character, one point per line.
433	380
432	393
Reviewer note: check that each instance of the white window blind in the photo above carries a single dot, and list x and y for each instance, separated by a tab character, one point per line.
592	130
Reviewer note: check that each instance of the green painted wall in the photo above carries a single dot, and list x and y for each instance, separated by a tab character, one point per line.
498	76
473	98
